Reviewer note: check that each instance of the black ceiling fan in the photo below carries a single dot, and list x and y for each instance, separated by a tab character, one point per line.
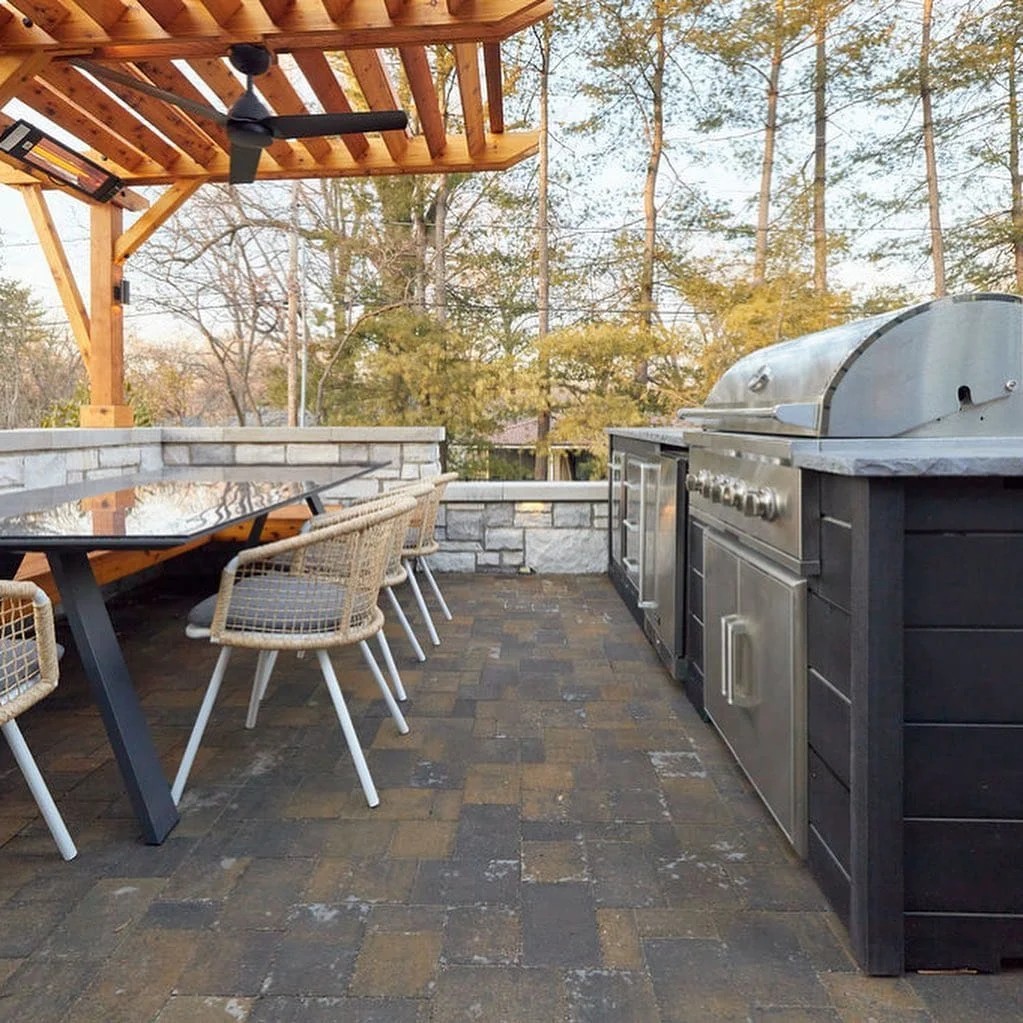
249	125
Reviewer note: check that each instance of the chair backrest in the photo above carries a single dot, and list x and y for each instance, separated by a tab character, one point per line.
28	647
315	589
420	539
394	571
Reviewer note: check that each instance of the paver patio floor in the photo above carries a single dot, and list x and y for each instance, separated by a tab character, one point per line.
560	838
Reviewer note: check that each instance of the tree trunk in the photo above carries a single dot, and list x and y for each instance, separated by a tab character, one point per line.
419	245
770	140
933	197
440	268
1016	182
293	308
646	280
820	147
543	282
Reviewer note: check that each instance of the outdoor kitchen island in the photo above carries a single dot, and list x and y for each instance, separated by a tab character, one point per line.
914	697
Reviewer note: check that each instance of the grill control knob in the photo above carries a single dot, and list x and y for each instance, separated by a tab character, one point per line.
717	484
692	482
739	492
761	503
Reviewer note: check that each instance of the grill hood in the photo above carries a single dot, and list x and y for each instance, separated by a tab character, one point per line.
951	367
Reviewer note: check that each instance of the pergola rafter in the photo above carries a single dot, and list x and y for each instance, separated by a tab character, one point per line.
343	56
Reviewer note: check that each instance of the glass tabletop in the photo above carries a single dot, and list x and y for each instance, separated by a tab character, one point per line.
158	509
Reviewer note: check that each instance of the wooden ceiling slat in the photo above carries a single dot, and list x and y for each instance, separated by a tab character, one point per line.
49	103
16	69
282	97
224	84
166	76
222	10
321	78
86	96
376	86
61	20
106	13
467	64
184	133
495	86
188	30
396	8
336	9
424	92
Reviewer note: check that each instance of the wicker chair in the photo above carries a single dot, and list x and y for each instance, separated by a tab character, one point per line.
314	591
28	672
420	543
395	572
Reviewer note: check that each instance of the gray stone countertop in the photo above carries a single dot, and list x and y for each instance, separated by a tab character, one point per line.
924	456
670	435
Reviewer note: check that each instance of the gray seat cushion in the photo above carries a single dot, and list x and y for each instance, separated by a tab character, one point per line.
277	603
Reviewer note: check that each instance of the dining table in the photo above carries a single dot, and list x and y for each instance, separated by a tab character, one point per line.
142	511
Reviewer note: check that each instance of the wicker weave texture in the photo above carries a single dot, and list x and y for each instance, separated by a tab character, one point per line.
315	590
28	648
420	540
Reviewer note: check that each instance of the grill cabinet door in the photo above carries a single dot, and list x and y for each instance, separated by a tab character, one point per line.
755	687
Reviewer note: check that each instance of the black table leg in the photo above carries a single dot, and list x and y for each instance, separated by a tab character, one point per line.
114	694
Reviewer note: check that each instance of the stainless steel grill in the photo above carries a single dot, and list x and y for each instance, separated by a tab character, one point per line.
947	368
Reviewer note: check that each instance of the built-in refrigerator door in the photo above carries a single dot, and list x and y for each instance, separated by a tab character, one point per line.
755	686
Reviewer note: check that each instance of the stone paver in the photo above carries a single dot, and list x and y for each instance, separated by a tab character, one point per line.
560	839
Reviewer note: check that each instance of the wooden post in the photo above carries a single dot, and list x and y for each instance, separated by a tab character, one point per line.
106	324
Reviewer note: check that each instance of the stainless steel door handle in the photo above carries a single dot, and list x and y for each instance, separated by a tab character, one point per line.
738	679
645	600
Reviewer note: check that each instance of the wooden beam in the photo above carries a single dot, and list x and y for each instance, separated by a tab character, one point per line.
502	151
222	10
336	9
188	30
281	95
164	207
376	86
18	68
95	104
424	93
60	268
467	64
322	80
495	85
106	360
167	119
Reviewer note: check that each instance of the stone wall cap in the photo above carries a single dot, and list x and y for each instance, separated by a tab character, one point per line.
526	490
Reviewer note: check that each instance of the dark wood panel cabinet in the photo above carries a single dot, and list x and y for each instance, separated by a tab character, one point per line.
915	719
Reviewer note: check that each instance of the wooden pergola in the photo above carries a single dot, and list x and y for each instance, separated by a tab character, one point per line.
337	56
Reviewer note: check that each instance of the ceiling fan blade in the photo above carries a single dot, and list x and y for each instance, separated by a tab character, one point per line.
244	162
303	126
129	82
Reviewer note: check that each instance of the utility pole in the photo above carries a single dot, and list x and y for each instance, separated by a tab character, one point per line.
293	308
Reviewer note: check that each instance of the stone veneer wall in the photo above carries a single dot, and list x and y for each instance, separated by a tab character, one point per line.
544	527
482	527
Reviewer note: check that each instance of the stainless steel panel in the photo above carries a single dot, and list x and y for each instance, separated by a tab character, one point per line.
669	559
639	536
755	674
732	479
953	366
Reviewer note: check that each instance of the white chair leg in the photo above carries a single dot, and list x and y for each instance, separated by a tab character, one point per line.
392	668
405	624
203	717
436	589
361	767
264	667
421	603
399	718
41	794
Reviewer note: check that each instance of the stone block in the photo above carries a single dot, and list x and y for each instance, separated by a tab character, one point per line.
513	559
463	524
354	452
419	453
176	454
122	456
151	458
453	561
498	514
390	453
47	469
81	459
311	454
12	472
489	559
504	540
528	518
576	514
211	454
259	454
566	550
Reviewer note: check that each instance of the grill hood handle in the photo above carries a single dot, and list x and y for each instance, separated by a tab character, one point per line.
797	413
